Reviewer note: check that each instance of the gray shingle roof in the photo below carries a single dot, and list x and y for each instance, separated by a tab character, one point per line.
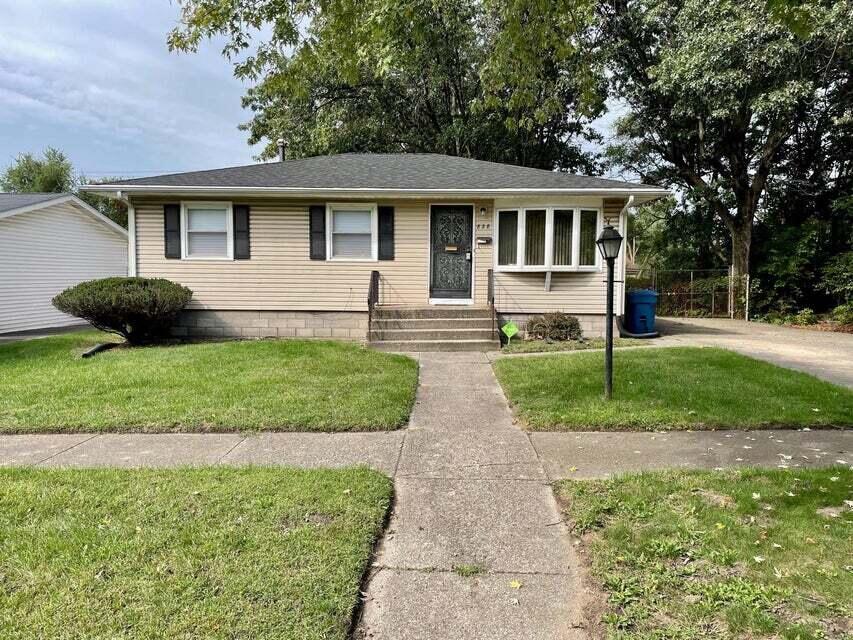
403	171
11	201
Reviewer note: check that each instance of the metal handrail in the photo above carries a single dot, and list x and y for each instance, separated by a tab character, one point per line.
372	300
491	301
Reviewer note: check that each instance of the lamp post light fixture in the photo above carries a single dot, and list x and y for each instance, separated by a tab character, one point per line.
609	243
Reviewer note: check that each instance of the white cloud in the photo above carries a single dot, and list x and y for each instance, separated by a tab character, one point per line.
95	79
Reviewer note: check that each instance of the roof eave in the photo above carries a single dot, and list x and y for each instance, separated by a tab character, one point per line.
122	191
63	198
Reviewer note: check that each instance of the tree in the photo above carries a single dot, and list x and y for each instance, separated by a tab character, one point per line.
52	173
392	75
715	91
114	209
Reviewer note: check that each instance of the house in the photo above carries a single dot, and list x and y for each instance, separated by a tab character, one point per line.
48	242
413	251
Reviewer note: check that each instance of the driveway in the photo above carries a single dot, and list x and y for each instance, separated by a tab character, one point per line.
823	354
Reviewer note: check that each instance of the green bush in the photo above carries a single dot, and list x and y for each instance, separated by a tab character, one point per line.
843	313
837	278
804	318
139	309
554	326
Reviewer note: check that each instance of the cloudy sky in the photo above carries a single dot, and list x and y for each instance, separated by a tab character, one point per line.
94	78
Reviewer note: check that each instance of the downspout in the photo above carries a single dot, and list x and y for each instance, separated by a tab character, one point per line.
623	215
131	234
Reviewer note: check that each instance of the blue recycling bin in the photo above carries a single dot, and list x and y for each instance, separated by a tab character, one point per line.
640	316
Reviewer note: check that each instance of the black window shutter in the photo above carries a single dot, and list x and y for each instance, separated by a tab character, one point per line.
317	231
386	233
172	230
241	232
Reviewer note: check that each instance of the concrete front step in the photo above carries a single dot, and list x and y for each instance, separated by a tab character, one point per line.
432	334
432	323
436	345
421	313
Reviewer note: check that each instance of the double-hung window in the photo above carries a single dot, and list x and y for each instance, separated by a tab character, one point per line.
208	229
555	238
352	231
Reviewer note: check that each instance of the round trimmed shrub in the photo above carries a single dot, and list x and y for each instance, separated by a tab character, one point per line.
554	326
139	309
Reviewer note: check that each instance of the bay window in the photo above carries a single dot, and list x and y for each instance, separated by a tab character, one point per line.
547	239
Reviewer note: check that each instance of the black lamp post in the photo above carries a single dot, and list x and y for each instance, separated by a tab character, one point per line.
609	243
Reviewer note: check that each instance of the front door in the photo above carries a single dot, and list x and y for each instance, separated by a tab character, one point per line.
451	229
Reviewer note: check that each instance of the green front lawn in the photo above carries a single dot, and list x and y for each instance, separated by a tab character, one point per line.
205	553
536	346
740	554
258	384
679	388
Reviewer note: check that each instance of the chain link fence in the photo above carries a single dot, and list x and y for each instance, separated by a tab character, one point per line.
697	293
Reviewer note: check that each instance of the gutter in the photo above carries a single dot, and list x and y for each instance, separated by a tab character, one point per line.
167	190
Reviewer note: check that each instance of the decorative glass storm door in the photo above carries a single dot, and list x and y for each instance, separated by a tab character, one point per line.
451	229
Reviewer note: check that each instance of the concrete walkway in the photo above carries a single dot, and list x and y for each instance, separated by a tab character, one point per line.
471	491
824	354
562	455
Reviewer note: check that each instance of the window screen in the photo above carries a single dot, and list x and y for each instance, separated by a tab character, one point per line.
507	237
589	223
207	232
534	237
563	228
351	234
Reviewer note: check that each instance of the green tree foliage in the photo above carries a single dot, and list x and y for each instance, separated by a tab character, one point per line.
838	277
670	234
51	173
115	210
54	173
332	76
717	89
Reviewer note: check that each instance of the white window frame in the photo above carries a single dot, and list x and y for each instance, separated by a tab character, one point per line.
229	228
549	238
374	229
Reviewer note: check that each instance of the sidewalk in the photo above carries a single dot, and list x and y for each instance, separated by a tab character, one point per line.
591	454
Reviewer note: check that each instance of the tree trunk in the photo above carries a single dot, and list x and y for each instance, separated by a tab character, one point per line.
741	241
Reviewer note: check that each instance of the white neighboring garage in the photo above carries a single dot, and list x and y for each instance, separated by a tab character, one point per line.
48	242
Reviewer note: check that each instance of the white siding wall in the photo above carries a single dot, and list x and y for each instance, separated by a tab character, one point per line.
45	251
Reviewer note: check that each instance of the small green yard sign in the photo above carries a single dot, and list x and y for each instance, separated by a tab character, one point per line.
509	330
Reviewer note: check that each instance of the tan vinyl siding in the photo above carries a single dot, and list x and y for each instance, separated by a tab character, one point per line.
45	251
280	275
581	292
